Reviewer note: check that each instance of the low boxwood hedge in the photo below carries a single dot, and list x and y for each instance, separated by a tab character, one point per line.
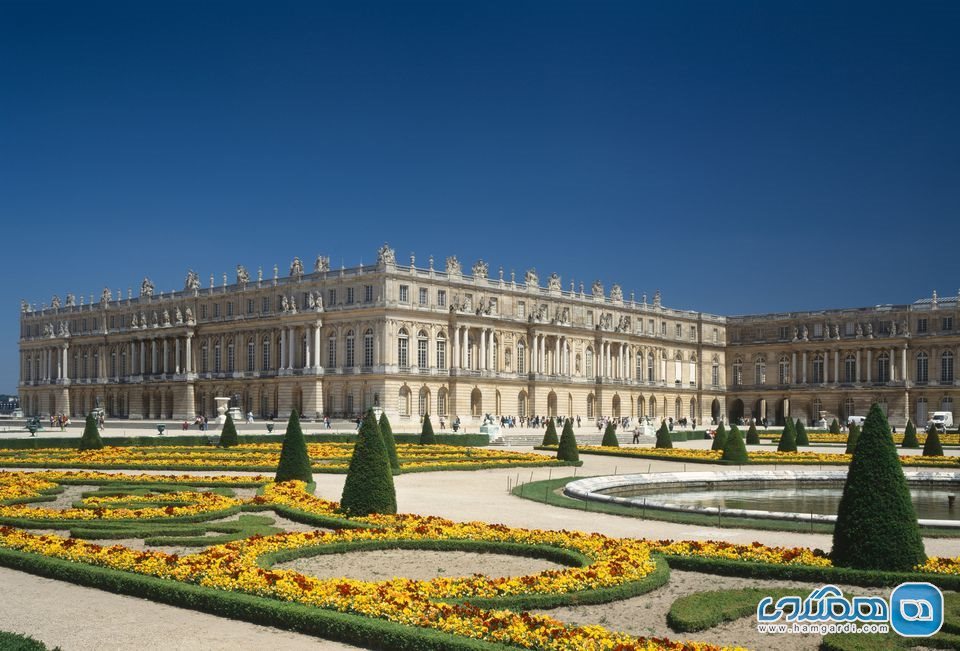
208	440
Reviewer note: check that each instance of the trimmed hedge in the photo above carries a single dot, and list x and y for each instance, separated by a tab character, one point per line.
852	438
834	427
91	435
801	432
294	459
663	437
17	642
788	439
567	449
610	437
702	610
753	437
426	434
369	485
550	436
228	436
390	442
719	438
910	437
932	446
734	451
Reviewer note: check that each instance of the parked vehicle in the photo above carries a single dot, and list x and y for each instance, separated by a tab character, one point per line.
941	420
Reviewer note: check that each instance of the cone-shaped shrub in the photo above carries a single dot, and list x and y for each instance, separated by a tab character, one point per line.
788	439
610	437
835	427
294	460
852	438
369	485
876	526
753	437
228	435
932	446
550	436
91	435
426	434
567	449
387	433
801	434
720	438
663	437
910	436
734	449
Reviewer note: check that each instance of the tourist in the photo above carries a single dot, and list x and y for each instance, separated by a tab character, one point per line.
249	416
443	424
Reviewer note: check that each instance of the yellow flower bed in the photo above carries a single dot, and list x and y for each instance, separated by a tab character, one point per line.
771	457
827	437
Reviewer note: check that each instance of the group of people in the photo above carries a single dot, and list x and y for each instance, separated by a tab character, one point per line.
62	420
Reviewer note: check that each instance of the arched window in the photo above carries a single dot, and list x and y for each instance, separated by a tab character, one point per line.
817	408
590	405
818	369
849	408
760	371
350	358
590	363
923	367
368	348
442	402
113	364
216	357
653	407
639	367
677	409
737	372
403	350
266	356
204	360
441	352
423	404
422	341
783	368
715	372
251	355
507	359
521	357
522	404
123	363
850	369
693	370
946	368
651	366
921	420
641	404
404	401
332	351
230	357
678	369
883	367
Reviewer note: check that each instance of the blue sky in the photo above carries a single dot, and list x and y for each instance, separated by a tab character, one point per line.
740	156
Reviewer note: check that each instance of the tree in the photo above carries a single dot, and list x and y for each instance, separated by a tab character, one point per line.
932	446
369	485
734	450
788	439
852	438
835	427
610	437
753	437
91	435
550	436
876	526
663	436
910	436
720	438
391	444
294	459
426	434
228	435
801	434
567	449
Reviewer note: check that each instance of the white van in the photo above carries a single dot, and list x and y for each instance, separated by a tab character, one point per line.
856	420
941	420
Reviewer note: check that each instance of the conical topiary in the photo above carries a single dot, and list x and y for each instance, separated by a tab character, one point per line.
369	484
550	436
932	446
228	435
610	437
876	526
663	436
801	434
91	435
426	433
852	438
835	427
753	437
788	439
910	436
719	439
567	448
734	450
294	459
391	444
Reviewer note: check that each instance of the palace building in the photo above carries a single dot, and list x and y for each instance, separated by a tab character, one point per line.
415	340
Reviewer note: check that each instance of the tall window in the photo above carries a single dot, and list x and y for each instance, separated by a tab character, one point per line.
403	350
350	359
113	365
678	368
883	367
230	358
404	402
737	372
251	355
849	368
590	405
817	408
760	371
715	373
332	297
404	293
216	358
442	402
349	295
368	348
693	371
946	368
923	367
368	293
266	355
783	369
521	357
921	411
818	369
423	296
849	408
423	403
639	368
590	362
422	358
204	360
265	305
651	366
442	302
123	363
441	354
332	351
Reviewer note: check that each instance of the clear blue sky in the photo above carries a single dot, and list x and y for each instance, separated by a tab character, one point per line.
740	156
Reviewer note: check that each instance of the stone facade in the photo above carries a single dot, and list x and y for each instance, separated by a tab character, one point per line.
408	339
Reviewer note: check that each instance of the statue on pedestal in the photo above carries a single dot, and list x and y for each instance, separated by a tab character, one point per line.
192	281
146	288
242	276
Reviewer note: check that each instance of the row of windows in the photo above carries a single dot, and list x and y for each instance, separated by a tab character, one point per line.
849	369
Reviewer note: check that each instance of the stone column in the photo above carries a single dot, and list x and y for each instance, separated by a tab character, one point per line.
308	336
188	361
836	367
165	357
282	342
869	364
903	362
176	359
66	363
316	356
464	343
793	368
557	362
804	372
857	371
893	364
482	354
153	365
455	351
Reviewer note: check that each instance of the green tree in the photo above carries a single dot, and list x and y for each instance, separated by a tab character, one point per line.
294	459
910	436
788	439
610	437
852	438
550	436
734	449
91	435
228	435
391	444
426	433
801	434
932	446
663	436
719	438
567	449
369	485
835	427
753	437
876	526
